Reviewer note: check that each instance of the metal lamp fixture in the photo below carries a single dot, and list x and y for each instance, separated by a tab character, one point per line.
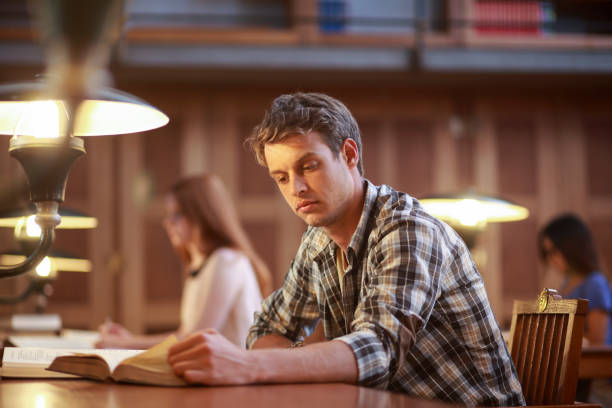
54	262
24	218
26	110
469	213
73	99
27	233
41	277
473	210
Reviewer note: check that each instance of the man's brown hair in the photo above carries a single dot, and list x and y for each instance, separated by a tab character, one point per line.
302	113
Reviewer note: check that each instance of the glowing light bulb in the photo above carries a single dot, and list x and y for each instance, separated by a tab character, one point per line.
32	228
44	268
26	227
41	119
469	213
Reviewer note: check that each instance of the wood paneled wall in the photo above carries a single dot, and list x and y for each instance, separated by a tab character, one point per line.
551	153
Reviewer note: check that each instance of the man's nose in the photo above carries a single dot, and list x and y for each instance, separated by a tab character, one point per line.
299	186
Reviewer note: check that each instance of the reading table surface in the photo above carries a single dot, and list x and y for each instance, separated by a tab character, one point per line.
84	393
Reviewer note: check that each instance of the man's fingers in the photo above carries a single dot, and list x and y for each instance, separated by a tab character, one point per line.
186	344
182	367
199	351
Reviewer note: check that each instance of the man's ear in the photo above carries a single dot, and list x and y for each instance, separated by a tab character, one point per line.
350	152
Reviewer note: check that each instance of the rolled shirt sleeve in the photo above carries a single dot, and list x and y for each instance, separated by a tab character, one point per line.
400	290
290	311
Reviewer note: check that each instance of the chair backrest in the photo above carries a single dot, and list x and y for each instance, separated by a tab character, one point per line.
545	345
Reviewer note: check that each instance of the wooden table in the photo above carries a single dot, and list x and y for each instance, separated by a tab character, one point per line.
91	394
595	362
84	393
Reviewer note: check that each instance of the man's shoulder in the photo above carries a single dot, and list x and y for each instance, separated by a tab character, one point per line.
392	204
389	197
395	210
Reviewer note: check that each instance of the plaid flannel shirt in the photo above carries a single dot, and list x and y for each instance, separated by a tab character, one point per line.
413	307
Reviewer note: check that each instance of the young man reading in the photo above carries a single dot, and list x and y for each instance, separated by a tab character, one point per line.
399	299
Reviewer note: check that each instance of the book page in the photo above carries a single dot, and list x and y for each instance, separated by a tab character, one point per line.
155	358
150	367
35	356
112	357
30	361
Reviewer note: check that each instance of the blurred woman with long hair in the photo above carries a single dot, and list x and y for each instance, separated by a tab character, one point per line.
567	247
224	278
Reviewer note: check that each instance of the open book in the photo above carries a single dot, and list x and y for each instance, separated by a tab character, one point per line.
31	362
144	367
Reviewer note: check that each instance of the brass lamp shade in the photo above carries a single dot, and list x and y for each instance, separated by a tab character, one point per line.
26	110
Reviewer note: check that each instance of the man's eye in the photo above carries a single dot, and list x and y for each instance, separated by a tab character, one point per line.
310	166
281	179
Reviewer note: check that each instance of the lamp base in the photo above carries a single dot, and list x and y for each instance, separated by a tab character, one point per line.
46	162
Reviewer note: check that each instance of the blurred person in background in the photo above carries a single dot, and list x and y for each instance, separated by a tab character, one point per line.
568	249
224	278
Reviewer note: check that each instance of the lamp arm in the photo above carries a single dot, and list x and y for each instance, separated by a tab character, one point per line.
44	245
33	287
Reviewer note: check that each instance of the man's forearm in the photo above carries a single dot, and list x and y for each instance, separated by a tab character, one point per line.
271	341
330	361
278	341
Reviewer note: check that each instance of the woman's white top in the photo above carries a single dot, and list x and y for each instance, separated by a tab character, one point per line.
223	295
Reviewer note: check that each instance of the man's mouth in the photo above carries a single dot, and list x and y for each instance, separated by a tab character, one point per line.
304	206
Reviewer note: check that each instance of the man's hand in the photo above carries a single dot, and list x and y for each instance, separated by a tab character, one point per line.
209	358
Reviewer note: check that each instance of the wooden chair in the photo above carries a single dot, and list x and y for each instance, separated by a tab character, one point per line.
545	345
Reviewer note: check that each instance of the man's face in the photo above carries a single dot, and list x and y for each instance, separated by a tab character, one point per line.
315	183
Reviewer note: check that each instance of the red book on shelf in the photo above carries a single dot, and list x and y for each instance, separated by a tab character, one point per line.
493	17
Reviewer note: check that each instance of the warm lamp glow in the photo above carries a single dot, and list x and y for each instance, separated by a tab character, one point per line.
41	401
26	111
62	263
44	268
108	118
41	119
33	230
473	211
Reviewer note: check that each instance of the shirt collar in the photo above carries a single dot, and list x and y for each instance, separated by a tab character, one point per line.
360	234
321	242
